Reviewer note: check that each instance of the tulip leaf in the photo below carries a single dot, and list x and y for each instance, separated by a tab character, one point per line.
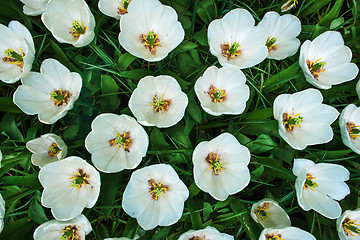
20	229
207	10
194	111
8	125
110	184
239	208
201	37
263	143
157	139
125	60
136	74
110	100
7	105
315	6
36	211
277	80
327	20
30	180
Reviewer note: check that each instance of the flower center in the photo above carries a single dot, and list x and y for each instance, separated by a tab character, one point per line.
122	10
122	140
231	52
309	183
198	238
289	5
12	57
77	29
315	67
80	178
53	150
215	163
270	44
151	41
157	189
69	233
351	227
291	121
353	130
216	95
261	211
273	237
160	104
60	97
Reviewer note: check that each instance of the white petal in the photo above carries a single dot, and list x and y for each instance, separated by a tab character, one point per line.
301	164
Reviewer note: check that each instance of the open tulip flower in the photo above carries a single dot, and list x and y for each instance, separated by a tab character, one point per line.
325	61
2	212
269	214
116	142
16	52
74	229
285	233
155	196
70	21
114	8
222	91
34	7
46	149
348	225
349	122
150	30
208	233
220	166
235	41
317	185
50	94
281	34
70	185
303	118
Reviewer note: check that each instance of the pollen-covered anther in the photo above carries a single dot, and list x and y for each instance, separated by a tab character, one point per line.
151	41
13	57
262	211
290	121
351	227
216	165
122	140
77	29
316	67
160	104
53	150
69	233
353	130
273	237
270	44
60	97
79	179
157	189
122	10
309	183
231	52
198	238
216	95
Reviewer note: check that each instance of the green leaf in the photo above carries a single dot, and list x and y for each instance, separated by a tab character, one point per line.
183	47
61	57
332	15
194	205
207	11
239	208
337	22
125	60
136	74
194	111
277	80
110	184
19	229
157	139
30	180
7	105
201	37
36	211
316	6
110	102
8	125
263	143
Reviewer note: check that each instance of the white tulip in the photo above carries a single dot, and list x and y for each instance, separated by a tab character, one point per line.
348	225
155	196
220	166
2	212
158	101
50	94
357	88
70	21
34	7
285	233
46	149
16	51
317	185
222	91
114	8
281	34
70	185
150	30
235	41
116	142
208	233
325	61
74	229
349	122
269	214
303	119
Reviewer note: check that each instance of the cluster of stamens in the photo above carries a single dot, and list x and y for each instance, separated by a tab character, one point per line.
122	10
261	211
291	121
198	238
77	29
69	233
151	41
288	5
60	97
216	95
270	44
53	150
12	57
216	165
79	179
273	236
309	183
316	67
123	140
160	104
157	189
353	130
350	227
231	52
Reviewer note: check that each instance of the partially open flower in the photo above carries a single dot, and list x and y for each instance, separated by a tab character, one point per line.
285	233
70	21
51	93
16	52
158	101
155	196
208	233
317	185
289	5
326	61
348	225
114	8
235	41
303	119
70	185
34	7
2	212
349	122
74	229
269	214
46	149
281	34
222	91
116	142
150	30
220	166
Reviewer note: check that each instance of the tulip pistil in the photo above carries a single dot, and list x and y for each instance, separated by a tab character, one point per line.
350	227
151	41
315	67
291	121
80	178
216	95
231	52
157	189
309	184
160	104
216	165
12	57
270	44
122	10
77	29
53	150
60	97
122	140
353	130
69	233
